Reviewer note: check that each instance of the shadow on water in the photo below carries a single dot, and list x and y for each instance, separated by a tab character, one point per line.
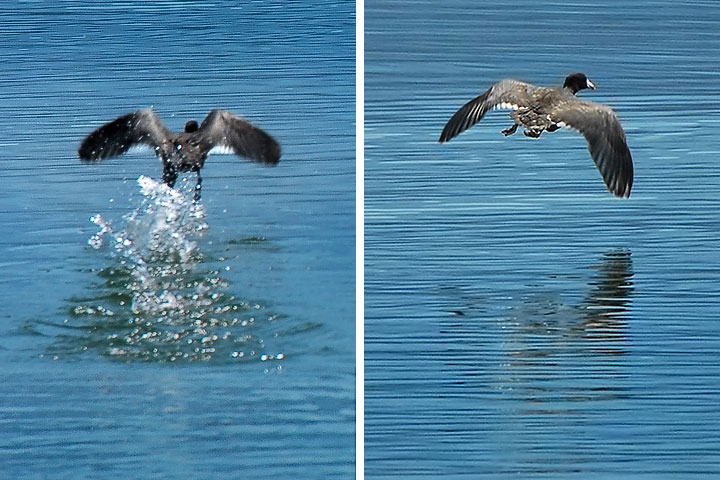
159	300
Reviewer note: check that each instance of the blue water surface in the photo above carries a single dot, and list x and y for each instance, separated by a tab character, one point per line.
162	339
521	322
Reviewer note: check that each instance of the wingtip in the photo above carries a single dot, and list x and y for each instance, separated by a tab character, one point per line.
273	160
622	191
445	136
273	153
86	154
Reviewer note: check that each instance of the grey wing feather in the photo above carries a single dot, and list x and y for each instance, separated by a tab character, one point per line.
116	137
606	141
223	128
505	91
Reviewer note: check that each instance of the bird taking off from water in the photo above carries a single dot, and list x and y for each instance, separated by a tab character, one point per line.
185	151
539	109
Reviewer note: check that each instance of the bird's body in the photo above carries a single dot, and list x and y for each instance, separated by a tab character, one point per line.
540	109
180	152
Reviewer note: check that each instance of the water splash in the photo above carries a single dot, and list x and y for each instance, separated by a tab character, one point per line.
162	228
161	300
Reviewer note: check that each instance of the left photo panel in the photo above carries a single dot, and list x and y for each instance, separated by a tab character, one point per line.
178	295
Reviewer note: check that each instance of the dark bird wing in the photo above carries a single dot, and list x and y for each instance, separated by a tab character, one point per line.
223	129
116	137
605	138
503	94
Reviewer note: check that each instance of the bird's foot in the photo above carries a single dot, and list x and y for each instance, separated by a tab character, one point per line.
169	177
511	130
553	127
198	188
533	133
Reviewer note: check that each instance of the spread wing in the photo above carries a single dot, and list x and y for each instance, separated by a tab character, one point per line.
505	94
223	129
605	138
116	137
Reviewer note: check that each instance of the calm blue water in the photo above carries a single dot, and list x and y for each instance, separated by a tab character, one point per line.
204	342
521	322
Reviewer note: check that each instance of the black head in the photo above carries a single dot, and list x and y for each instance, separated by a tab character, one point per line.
191	126
578	81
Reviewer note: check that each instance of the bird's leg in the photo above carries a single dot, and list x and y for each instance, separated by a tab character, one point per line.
169	175
198	187
533	132
511	130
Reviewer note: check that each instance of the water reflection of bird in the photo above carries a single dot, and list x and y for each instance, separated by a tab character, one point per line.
540	109
185	151
608	297
554	356
607	302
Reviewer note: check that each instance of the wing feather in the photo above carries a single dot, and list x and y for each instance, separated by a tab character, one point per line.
116	137
221	128
605	139
504	94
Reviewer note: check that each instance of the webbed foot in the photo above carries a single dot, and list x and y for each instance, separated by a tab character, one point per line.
198	188
553	127
170	175
532	133
511	130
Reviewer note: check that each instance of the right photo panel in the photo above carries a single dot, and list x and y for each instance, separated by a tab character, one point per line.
542	258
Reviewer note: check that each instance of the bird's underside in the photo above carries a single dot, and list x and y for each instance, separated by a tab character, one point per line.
535	124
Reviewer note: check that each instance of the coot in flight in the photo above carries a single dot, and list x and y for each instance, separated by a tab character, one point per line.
539	109
185	151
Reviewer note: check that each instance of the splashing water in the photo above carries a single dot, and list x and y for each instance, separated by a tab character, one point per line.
157	243
163	227
157	304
